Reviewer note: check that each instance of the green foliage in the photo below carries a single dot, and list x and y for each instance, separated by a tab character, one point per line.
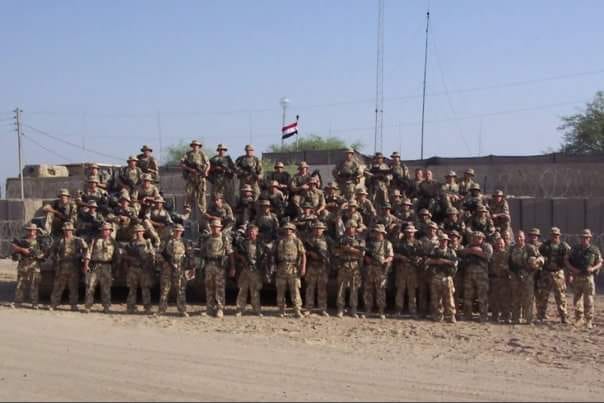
269	165
584	132
314	142
175	152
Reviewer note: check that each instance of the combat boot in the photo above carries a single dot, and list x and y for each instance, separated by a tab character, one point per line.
381	314
35	307
86	310
564	320
452	319
324	313
340	314
298	314
353	313
106	309
74	308
184	314
219	314
238	314
148	310
589	324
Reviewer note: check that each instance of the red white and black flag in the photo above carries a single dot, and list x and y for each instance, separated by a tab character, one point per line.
289	130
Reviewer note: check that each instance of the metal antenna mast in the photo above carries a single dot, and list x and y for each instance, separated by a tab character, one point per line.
19	151
379	82
425	75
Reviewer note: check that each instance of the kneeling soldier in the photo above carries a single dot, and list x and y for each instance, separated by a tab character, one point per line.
29	253
173	254
98	265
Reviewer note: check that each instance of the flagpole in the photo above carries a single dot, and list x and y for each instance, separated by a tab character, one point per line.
298	134
424	90
284	101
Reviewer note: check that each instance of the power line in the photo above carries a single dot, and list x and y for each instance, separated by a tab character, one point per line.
56	154
79	147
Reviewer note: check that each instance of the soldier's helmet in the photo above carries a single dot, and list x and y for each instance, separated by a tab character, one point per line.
498	192
279	164
93	165
319	225
379	228
452	210
147	177
249	147
351	224
378	155
534	231
246	188
451	174
218	196
433	225
353	203
474	186
556	231
307	204
274	184
469	171
178	227
68	226
396	193
146	148
139	228
107	226
407	202
302	164
424	212
125	196
63	192
221	147
159	199
30	227
349	150
288	225
215	223
586	233
386	205
264	203
395	154
313	181
362	191
410	228
455	234
478	234
443	237
132	158
195	143
92	204
251	226
93	179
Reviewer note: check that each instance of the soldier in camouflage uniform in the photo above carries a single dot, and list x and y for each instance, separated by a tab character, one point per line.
453	222
140	259
378	260
429	193
349	251
584	262
347	174
476	257
245	209
552	277
158	222
451	189
218	253
525	260
424	276
60	211
314	195
145	194
442	262
267	222
500	293
67	253
406	214
317	273
276	197
173	254
89	222
221	211
472	200
400	174
407	260
94	170
290	259
305	221
29	253
94	192
249	170
195	168
130	176
222	171
298	185
350	213
100	258
500	212
365	206
126	217
466	182
249	255
281	176
378	181
147	163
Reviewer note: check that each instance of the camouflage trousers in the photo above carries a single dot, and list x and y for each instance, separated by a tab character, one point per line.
523	298
476	285
253	183
316	279
348	189
375	285
172	278
28	278
584	289
67	275
287	278
215	283
547	282
349	277
101	276
225	186
136	278
424	283
249	283
500	298
195	190
441	297
458	280
378	193
406	283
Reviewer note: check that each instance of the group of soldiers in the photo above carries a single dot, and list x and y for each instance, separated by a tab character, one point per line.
442	249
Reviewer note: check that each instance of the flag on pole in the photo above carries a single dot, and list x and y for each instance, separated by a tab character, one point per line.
289	130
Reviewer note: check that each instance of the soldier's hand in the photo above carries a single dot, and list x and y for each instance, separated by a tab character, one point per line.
302	271
232	272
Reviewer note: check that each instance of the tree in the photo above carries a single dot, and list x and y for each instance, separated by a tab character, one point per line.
175	152
584	132
314	142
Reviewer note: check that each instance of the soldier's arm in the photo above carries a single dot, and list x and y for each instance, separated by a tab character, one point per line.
597	265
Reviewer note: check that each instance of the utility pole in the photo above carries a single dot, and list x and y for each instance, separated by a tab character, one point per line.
425	75
19	134
379	82
159	135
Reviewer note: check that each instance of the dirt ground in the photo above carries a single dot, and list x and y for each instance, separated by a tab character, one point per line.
64	355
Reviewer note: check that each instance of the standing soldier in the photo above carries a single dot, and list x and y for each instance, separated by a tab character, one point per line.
173	254
275	197
67	253
298	185
584	261
290	259
222	170
466	182
281	176
347	174
552	277
146	194
147	163
349	251
481	222
378	260
267	222
314	195
221	211
140	257
126	217
93	169
217	252
407	261
89	222
195	167
442	262
317	274
245	209
500	292
365	206
429	193
476	259
94	192
424	277
60	211
100	259
379	177
29	253
350	213
400	174
249	254
129	176
453	222
500	212
158	222
249	170
451	189
534	237
525	260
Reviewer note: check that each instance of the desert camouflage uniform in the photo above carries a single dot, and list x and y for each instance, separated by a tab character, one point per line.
149	166
295	187
552	278
500	292
523	282
103	254
441	284
268	226
222	169
406	273
347	175
28	273
376	274
68	257
196	185
424	276
349	271
216	251
129	178
584	287
317	272
173	275
476	282
250	278
249	172
69	211
140	257
288	254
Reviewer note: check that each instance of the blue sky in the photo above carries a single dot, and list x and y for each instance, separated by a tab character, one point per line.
98	74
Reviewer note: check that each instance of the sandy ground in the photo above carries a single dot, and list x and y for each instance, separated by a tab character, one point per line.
72	356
